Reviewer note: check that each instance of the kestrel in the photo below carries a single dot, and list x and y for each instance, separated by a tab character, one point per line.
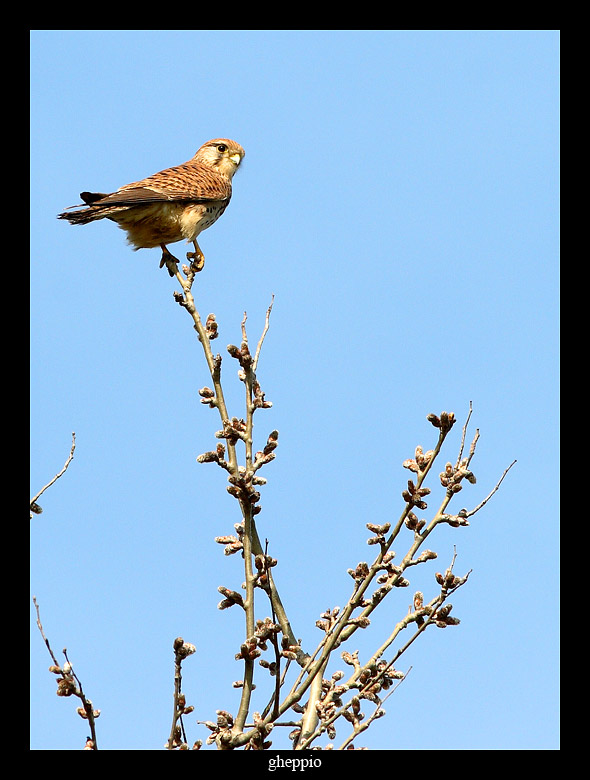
175	204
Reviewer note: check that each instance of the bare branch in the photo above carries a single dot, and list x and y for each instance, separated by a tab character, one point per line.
264	332
491	493
464	433
177	738
35	508
69	684
378	712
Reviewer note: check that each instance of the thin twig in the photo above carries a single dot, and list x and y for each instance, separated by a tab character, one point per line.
473	446
35	508
177	736
377	713
274	699
491	493
264	332
40	627
464	433
68	674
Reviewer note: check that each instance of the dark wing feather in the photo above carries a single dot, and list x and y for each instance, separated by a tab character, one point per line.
137	196
191	182
91	197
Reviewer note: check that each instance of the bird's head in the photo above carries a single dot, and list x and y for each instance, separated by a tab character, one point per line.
222	154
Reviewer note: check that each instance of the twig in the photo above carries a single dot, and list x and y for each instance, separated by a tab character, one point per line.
464	433
378	712
40	627
35	508
70	684
274	699
491	493
177	736
264	332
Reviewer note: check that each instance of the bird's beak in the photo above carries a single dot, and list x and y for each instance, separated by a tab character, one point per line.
236	158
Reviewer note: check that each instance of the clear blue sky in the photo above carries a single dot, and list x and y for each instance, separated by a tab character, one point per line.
399	197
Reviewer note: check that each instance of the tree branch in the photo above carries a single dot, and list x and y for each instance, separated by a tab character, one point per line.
35	508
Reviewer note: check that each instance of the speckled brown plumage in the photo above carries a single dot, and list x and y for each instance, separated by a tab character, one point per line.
175	204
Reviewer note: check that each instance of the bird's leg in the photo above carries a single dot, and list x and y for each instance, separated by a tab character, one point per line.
197	258
168	260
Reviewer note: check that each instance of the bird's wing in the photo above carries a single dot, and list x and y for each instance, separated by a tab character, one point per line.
190	182
187	183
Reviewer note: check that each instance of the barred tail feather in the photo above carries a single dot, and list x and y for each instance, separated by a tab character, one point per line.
86	215
81	217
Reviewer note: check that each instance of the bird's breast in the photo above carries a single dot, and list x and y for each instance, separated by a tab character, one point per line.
165	223
196	217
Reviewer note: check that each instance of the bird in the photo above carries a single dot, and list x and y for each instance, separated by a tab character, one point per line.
175	204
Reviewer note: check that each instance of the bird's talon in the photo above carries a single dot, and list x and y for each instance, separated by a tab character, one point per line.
197	261
168	260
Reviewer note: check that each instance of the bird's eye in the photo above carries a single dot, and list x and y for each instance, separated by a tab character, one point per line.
222	148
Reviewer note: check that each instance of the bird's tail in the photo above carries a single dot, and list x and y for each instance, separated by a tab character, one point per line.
80	217
86	215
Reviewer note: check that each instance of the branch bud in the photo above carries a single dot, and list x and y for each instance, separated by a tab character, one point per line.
211	327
